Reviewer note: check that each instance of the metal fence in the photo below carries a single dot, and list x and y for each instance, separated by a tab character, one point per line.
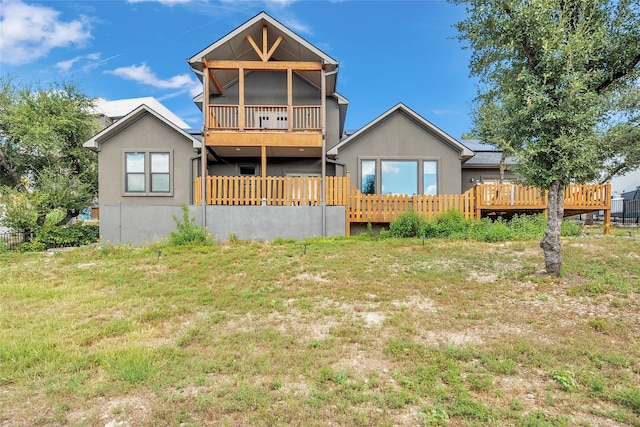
11	240
625	211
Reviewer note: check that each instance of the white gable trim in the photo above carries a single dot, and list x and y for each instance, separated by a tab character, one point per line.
198	57
106	133
464	151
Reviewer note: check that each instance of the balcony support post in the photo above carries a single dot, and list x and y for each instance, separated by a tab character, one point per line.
241	112
323	184
263	170
289	99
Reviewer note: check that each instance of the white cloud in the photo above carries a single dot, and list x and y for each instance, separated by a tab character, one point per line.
165	2
28	32
65	66
143	74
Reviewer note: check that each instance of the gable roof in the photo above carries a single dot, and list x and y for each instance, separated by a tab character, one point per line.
465	153
141	111
235	46
117	109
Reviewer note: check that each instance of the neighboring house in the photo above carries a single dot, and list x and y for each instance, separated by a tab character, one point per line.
109	112
277	161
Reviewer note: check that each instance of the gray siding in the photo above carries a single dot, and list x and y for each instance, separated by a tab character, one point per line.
471	177
146	133
398	137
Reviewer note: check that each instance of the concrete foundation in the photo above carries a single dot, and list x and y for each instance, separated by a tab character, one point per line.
139	225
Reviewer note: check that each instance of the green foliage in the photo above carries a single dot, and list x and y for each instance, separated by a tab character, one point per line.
50	236
453	225
188	231
570	228
565	380
44	165
408	224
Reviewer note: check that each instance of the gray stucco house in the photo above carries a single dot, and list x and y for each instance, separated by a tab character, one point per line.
273	149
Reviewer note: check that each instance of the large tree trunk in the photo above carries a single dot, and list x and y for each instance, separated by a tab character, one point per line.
551	242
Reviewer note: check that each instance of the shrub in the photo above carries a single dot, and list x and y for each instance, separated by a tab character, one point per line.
188	231
453	224
487	230
570	228
49	236
408	224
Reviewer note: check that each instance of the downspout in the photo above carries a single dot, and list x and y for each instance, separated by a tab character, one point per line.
203	152
323	94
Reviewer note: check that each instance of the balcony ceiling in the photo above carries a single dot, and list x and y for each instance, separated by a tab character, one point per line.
271	152
236	46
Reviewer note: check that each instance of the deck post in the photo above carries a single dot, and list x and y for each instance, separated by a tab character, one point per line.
607	212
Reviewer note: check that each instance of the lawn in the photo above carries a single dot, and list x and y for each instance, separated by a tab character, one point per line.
349	331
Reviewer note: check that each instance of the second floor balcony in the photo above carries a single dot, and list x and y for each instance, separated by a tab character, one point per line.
274	118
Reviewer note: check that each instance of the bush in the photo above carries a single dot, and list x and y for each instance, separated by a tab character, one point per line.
408	224
453	225
487	230
50	236
188	231
570	228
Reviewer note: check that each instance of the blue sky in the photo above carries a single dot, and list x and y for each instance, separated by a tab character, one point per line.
389	52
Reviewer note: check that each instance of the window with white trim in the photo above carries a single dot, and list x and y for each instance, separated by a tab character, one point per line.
147	173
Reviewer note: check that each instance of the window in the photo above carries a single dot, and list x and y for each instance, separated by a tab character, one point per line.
247	170
430	177
159	172
147	173
399	176
368	168
134	167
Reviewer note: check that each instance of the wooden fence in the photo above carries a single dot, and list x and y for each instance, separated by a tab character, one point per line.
362	208
272	190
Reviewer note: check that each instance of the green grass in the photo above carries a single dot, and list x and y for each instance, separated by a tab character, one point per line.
357	331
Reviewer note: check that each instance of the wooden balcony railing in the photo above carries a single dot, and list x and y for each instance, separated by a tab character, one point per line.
272	191
265	117
361	208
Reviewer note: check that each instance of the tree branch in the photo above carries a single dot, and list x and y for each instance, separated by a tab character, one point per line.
618	74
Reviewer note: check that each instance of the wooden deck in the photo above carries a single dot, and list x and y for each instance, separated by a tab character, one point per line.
481	200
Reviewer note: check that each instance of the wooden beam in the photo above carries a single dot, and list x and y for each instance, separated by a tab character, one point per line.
255	47
273	48
216	82
264	43
259	138
259	65
241	112
289	100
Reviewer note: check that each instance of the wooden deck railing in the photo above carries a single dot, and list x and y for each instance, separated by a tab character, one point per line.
361	208
272	190
509	196
265	117
387	207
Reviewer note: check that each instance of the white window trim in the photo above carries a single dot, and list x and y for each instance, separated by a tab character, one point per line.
147	173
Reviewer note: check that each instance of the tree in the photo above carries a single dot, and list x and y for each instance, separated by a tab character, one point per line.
43	165
553	76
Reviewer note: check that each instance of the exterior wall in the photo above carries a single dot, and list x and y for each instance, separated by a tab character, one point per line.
398	137
146	133
140	225
275	166
471	177
271	222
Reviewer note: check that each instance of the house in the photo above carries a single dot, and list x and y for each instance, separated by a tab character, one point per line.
272	159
